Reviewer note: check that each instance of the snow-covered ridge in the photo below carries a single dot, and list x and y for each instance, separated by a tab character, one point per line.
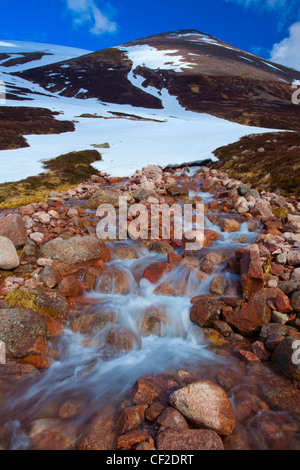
53	54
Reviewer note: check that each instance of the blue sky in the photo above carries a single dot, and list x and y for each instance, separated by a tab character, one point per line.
270	28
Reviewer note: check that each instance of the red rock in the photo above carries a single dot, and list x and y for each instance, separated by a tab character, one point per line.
54	326
208	185
127	441
172	419
131	418
70	287
189	439
277	269
251	271
283	303
213	337
146	390
27	210
39	346
229	225
155	271
209	236
173	258
273	333
13	227
206	405
39	362
154	410
260	351
205	310
248	355
91	277
76	250
20	327
248	319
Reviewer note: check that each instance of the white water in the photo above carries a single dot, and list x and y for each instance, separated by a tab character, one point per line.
89	370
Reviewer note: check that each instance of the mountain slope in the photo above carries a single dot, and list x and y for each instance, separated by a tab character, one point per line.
205	75
16	56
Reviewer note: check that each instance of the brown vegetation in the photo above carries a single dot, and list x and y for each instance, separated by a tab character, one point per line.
15	122
64	172
267	161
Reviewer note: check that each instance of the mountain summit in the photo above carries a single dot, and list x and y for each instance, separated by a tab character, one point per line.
205	74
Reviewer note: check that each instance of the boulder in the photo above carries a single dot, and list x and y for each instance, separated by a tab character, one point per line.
76	249
103	196
13	227
8	256
206	405
20	327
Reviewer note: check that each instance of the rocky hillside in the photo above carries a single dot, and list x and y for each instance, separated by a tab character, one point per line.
204	73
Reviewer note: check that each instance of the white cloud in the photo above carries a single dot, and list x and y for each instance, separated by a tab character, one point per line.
285	10
287	52
270	4
87	12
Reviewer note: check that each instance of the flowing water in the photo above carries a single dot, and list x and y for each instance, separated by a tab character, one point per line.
157	337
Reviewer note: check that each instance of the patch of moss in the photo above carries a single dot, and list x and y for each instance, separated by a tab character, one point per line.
277	168
64	172
20	298
267	267
101	146
281	212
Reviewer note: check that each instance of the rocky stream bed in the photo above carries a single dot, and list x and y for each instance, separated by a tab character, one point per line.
144	344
